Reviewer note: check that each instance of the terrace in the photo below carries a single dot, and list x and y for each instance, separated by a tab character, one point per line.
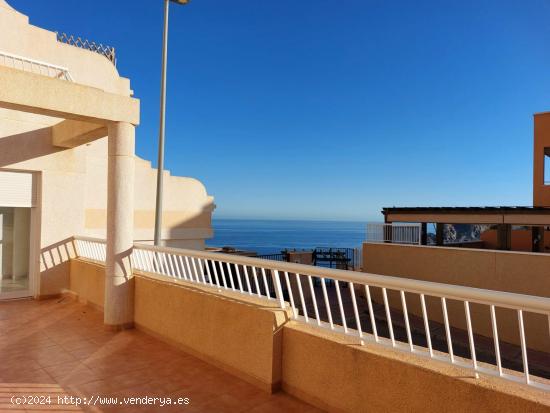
231	333
317	334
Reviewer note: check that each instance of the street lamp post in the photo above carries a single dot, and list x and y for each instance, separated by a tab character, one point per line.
160	166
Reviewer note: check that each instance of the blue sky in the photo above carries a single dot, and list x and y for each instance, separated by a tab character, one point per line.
332	110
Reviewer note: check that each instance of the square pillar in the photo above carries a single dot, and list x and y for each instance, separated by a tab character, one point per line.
537	239
439	228
119	287
504	237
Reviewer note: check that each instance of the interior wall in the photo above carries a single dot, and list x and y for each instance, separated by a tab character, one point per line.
21	242
6	229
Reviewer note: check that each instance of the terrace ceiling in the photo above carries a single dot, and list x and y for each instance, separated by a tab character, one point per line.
86	110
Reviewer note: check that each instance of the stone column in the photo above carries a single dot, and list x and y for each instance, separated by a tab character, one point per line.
119	286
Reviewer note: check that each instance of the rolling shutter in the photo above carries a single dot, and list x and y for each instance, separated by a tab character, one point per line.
16	189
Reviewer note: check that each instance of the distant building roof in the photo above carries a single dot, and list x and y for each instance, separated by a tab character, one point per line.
520	215
476	210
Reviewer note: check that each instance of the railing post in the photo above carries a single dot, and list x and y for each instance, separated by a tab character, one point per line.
388	233
278	288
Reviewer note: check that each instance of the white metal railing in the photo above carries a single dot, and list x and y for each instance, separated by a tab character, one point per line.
403	233
91	248
34	66
317	296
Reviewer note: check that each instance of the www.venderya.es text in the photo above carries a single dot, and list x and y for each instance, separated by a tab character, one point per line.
64	400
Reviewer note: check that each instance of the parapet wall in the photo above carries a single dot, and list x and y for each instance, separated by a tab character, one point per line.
515	272
238	335
337	374
87	281
256	341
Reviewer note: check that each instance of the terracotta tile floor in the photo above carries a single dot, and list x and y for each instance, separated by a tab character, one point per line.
59	347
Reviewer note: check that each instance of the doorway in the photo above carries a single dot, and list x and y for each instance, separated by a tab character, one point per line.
14	252
17	231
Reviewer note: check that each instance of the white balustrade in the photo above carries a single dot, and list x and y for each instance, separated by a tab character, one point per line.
396	233
344	301
34	66
93	249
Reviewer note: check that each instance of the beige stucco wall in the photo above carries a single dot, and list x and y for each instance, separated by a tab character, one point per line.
516	272
87	281
24	39
233	332
187	208
72	183
239	334
337	374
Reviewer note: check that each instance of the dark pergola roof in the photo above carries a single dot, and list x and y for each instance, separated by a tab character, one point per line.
515	215
468	210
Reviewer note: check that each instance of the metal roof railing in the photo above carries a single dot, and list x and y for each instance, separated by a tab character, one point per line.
106	51
396	233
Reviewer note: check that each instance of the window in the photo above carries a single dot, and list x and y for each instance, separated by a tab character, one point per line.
546	166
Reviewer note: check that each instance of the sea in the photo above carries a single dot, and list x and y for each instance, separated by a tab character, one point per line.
272	236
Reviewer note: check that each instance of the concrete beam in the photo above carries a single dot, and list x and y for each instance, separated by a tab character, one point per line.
515	218
30	92
530	219
446	218
71	133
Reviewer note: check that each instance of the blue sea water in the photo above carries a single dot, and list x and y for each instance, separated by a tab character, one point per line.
272	236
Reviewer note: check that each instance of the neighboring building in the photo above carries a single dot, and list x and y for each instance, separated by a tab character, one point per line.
58	98
509	256
516	228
